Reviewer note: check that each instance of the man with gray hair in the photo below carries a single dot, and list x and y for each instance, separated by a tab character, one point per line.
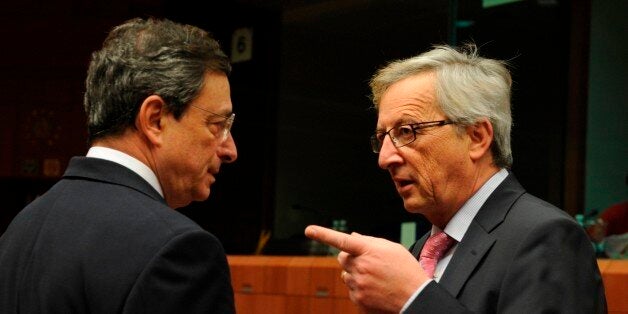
443	134
106	237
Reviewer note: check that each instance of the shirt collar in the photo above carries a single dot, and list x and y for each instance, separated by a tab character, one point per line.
127	161
460	222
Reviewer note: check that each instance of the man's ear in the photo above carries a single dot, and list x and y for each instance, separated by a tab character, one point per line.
150	119
481	138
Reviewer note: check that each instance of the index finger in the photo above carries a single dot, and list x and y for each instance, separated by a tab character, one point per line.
352	244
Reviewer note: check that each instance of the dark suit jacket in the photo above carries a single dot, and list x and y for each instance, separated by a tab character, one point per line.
520	255
102	240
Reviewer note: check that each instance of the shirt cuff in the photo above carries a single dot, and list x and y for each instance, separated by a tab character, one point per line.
414	295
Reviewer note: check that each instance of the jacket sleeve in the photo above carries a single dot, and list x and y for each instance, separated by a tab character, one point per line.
554	271
190	274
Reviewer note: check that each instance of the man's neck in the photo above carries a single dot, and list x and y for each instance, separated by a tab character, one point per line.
128	143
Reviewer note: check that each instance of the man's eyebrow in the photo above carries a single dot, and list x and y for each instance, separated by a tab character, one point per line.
226	112
403	120
222	114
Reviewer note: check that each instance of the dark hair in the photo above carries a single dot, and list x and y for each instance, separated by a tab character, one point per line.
144	57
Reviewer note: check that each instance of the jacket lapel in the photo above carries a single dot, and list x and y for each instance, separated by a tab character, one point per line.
478	239
469	252
418	245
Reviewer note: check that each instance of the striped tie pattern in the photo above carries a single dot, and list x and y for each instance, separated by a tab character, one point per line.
434	249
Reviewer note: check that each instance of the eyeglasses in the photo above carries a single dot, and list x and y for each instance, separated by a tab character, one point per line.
225	125
403	135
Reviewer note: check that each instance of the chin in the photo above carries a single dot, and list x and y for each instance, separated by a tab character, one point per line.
178	205
414	207
202	194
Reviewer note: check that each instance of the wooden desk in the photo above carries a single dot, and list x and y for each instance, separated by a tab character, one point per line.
615	277
304	284
288	284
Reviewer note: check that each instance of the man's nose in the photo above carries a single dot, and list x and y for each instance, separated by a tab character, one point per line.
227	150
388	154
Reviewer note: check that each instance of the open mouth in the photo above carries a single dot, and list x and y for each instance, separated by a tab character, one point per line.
402	184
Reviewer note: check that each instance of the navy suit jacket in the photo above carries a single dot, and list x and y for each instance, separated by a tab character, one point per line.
519	255
102	240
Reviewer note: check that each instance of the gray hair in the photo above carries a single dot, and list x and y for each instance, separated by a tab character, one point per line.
144	57
468	88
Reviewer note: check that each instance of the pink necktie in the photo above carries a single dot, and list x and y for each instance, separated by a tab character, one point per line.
434	249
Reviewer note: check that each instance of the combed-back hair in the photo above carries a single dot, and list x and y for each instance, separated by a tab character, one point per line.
144	57
468	89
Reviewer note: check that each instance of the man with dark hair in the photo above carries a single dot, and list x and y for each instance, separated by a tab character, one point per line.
106	237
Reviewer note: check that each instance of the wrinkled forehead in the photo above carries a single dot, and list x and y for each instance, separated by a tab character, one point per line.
412	98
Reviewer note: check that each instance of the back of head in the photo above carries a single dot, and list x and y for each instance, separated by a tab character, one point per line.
468	88
144	57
